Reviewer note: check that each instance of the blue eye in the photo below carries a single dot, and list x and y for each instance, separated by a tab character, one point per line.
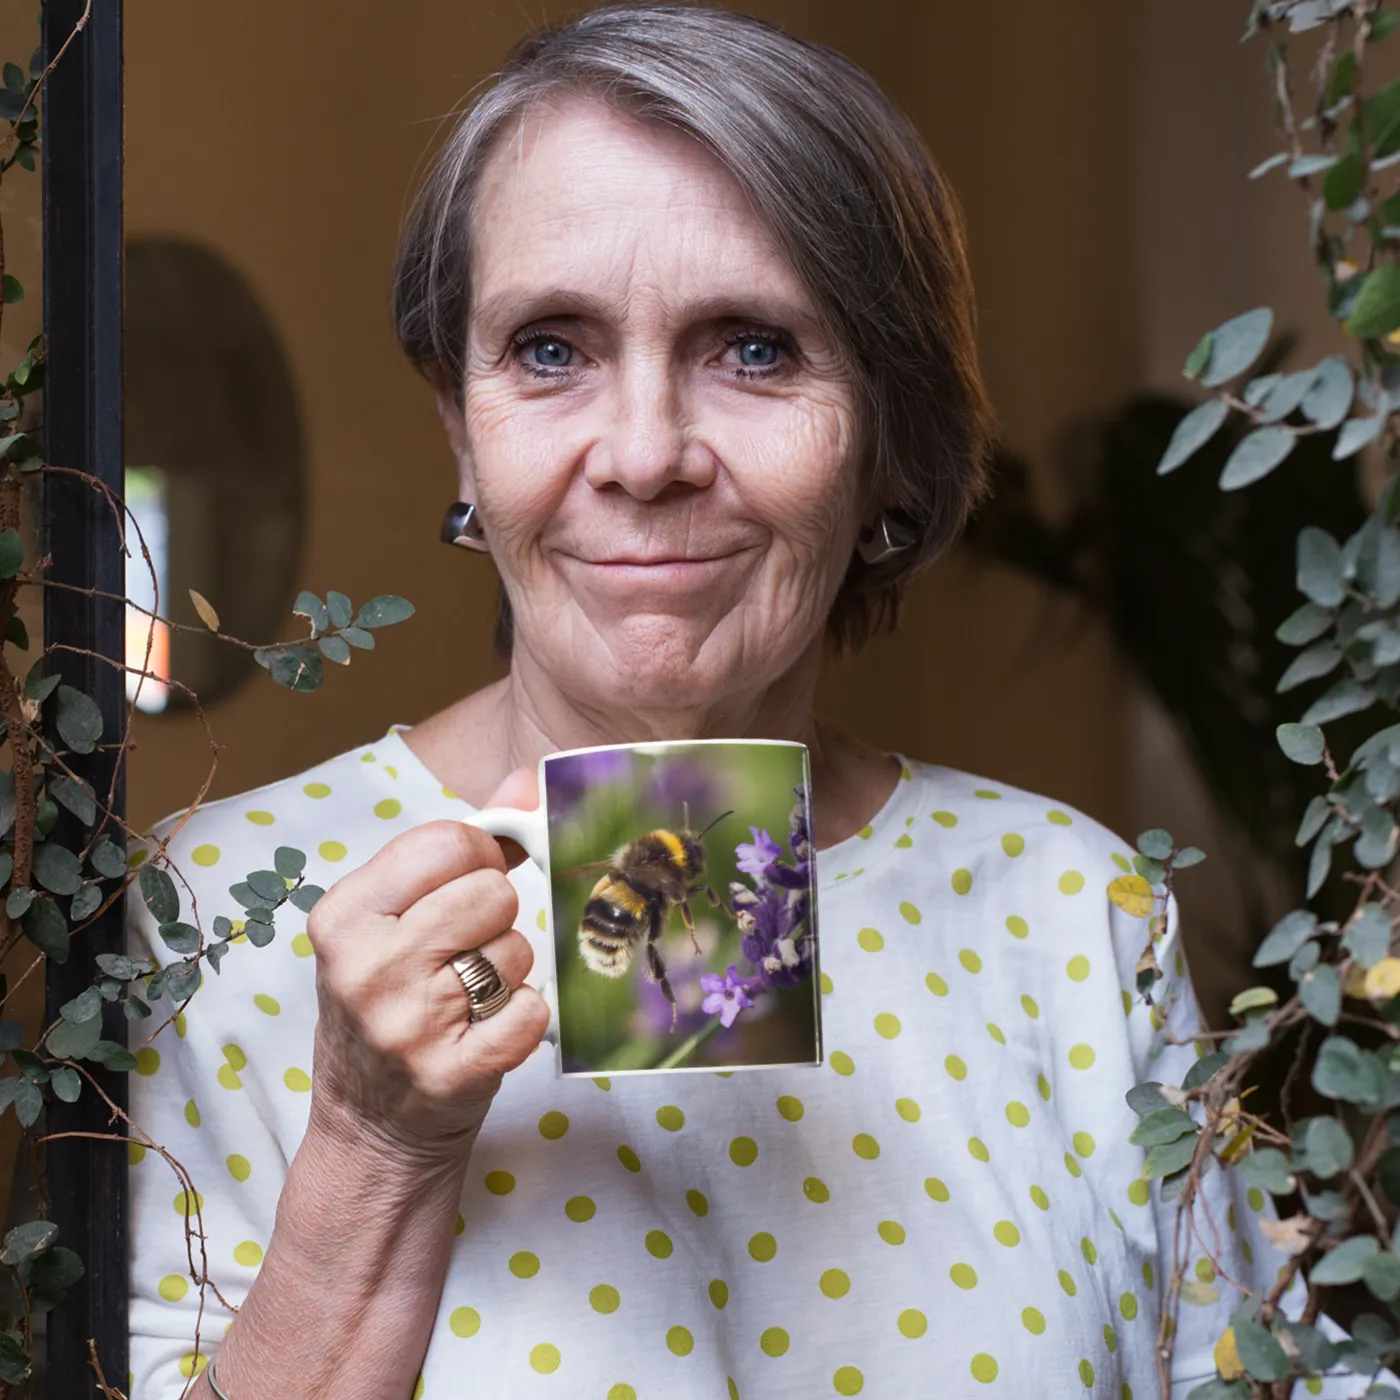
552	354
758	354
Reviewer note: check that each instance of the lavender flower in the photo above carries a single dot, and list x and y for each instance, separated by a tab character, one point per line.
727	995
571	778
678	786
756	857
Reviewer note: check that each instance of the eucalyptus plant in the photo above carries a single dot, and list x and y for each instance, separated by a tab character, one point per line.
57	878
1330	990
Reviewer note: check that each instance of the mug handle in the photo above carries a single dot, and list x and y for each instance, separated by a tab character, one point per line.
531	831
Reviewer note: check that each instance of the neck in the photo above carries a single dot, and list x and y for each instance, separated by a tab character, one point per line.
473	745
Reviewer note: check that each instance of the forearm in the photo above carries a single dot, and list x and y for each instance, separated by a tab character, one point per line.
345	1300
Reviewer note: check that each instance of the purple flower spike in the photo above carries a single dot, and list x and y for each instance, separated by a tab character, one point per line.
756	858
727	995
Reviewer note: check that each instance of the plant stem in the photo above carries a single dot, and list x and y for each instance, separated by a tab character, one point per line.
683	1052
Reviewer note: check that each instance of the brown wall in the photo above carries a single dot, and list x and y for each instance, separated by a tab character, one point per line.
285	137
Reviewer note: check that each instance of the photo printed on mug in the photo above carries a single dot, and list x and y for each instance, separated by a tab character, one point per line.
684	896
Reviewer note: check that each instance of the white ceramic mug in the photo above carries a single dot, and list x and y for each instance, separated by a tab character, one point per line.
682	904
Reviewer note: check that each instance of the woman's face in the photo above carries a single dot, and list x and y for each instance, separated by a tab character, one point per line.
659	434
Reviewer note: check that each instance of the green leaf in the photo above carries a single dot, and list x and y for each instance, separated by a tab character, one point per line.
67	1041
1146	1098
1186	857
1253	999
1256	456
1191	434
57	869
1381	1274
1205	1069
46	928
1357	433
11	289
17	633
77	719
1153	871
304	897
1301	742
66	1083
107	859
11	553
338	608
159	893
358	637
297	668
1343	80
18	901
1376	310
1161	1126
1388	1172
1155	844
1287	393
309	606
1344	181
123	968
51	1276
28	1241
14	1360
115	1057
1383	22
1368	937
1286	937
1381	115
1260	1353
1345	1072
1346	1263
1377	842
1169	1157
38	687
75	795
268	885
289	861
1344	697
1236	345
14	77
85	902
83	1007
1308	665
180	938
1320	575
1196	360
335	650
384	611
1327	1148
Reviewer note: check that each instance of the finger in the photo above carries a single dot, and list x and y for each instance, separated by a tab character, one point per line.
461	914
409	867
510	954
503	1041
518	789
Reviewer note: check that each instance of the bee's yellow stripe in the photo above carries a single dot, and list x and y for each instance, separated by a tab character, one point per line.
674	844
624	897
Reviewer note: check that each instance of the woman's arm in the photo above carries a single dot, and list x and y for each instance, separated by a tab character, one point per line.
346	1297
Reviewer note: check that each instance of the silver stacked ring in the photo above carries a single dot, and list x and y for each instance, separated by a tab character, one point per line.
486	989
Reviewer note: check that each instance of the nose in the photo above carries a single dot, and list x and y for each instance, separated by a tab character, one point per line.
648	444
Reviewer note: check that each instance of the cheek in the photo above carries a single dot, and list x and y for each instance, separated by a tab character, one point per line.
800	476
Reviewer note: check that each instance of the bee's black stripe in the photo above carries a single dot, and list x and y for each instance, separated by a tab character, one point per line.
599	916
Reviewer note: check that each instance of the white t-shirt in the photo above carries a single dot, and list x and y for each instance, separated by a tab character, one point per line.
948	1207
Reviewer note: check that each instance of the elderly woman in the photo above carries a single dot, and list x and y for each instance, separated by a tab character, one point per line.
695	306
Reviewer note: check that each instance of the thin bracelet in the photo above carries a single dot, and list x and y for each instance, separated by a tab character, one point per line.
219	1392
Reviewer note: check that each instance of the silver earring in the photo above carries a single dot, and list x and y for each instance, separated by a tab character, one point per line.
462	526
884	539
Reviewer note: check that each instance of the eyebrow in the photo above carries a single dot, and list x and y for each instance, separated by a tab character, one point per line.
521	305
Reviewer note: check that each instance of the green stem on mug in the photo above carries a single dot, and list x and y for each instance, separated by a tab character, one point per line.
683	1052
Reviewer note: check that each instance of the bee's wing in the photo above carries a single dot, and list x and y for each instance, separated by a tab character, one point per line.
594	867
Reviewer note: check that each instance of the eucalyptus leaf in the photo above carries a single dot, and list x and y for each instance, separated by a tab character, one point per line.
159	893
1376	311
1170	1157
1235	346
70	1041
297	668
335	650
1302	743
1346	1262
75	795
1205	1069
1313	819
107	859
1191	434
268	885
66	1083
1326	1147
56	868
289	862
1320	567
46	928
77	719
1380	1272
1357	433
83	1007
304	897
1146	1098
17	901
309	606
1309	665
1260	1353
358	637
180	938
1155	844
1163	1125
1256	455
383	611
1345	1072
113	1056
11	553
1367	939
29	1103
1344	697
28	1241
1376	844
1286	937
85	902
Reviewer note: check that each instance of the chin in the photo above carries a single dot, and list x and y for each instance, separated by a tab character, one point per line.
663	662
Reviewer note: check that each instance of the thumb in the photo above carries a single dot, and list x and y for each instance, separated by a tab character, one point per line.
518	789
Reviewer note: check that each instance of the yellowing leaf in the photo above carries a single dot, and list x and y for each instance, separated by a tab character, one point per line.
1199	1295
1227	1356
1133	895
1354	984
205	609
1237	1146
1383	980
1292	1236
1253	999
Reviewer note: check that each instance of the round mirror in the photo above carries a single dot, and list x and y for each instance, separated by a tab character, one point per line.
216	470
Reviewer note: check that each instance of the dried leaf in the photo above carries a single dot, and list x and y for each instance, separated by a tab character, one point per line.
205	609
1292	1236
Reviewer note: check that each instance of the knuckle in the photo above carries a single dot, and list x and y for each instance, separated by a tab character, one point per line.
457	847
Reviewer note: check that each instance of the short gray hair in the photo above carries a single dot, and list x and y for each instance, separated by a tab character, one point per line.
846	187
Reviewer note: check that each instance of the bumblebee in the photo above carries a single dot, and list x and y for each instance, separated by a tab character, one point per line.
629	906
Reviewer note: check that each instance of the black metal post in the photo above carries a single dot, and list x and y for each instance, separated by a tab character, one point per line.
82	165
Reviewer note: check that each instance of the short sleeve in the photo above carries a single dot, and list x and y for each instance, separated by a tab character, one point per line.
1225	1250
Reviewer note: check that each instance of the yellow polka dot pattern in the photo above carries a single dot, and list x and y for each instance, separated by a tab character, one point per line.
967	867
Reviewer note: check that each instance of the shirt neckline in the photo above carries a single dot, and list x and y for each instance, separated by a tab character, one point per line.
850	858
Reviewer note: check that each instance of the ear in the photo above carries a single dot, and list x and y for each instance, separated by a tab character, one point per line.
451	411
